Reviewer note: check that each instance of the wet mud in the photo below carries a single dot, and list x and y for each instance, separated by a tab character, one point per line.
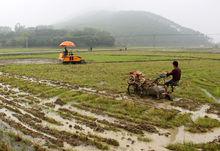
62	126
28	61
214	109
187	104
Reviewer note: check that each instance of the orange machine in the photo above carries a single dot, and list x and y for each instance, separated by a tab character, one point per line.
69	57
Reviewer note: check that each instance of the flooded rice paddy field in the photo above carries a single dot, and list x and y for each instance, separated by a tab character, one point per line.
41	109
52	124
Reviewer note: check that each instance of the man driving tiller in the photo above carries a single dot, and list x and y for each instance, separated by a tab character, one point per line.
176	76
139	85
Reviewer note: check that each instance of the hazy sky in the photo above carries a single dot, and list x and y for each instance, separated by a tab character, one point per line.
202	15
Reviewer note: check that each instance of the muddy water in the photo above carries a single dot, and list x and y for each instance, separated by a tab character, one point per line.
127	140
131	143
159	142
10	116
5	136
202	112
58	84
210	95
28	61
87	113
20	146
124	143
179	135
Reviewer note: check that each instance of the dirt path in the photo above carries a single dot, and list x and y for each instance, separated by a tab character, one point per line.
56	126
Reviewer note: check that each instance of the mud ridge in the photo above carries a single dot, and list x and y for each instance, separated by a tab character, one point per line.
74	87
128	125
70	138
29	132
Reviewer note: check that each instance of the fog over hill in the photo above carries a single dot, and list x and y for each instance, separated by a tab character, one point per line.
138	28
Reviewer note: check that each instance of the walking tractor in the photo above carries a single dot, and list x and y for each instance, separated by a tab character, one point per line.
139	85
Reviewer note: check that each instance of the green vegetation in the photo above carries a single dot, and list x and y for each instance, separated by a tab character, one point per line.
207	122
197	74
194	147
204	125
109	71
113	55
135	112
182	147
128	110
112	77
34	88
31	56
46	36
27	50
10	141
144	139
4	146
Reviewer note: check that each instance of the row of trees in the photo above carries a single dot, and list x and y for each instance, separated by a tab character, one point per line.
47	36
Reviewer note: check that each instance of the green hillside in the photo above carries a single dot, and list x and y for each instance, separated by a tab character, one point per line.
138	28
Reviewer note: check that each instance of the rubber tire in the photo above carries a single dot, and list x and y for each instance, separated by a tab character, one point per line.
82	62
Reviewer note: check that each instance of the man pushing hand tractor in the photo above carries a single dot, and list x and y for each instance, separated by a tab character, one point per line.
176	76
139	85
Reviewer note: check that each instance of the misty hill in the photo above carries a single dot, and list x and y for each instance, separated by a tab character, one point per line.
138	28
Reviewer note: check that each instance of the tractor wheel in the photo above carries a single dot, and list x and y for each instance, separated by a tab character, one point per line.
82	62
169	97
132	90
65	63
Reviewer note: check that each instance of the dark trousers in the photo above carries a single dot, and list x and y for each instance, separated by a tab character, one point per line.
172	83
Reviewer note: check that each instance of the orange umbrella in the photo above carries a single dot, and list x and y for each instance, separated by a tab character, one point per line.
67	44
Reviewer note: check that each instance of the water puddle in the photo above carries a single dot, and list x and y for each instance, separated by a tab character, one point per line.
179	135
202	112
210	95
127	140
9	136
58	84
28	61
90	114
